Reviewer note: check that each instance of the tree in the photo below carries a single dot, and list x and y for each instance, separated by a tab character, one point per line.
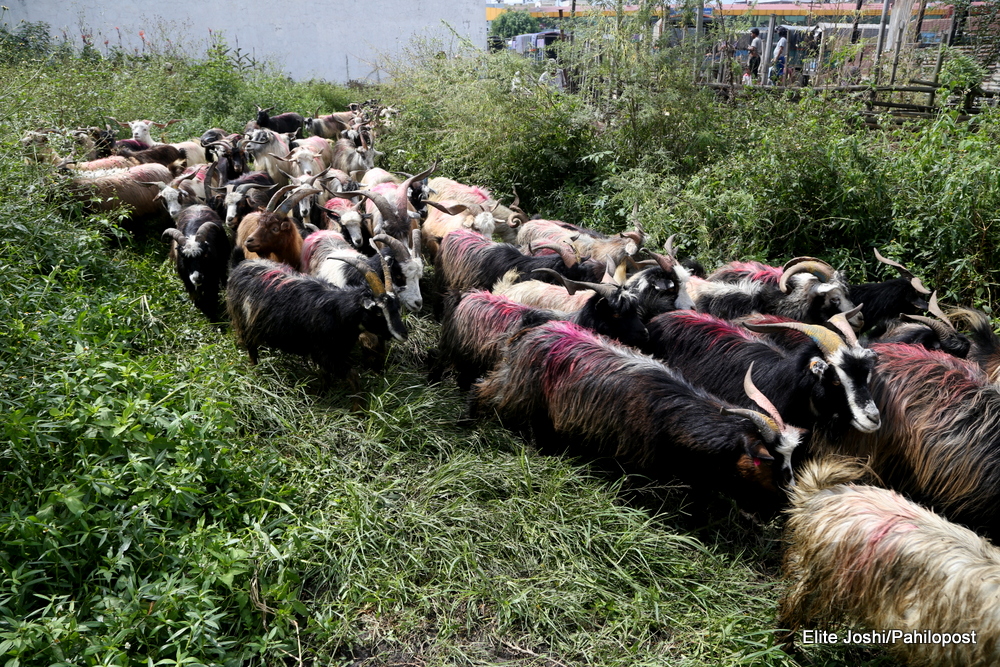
513	23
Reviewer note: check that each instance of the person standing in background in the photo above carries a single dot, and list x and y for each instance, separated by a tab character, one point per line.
778	56
755	50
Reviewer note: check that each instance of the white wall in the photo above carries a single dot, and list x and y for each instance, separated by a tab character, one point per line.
335	40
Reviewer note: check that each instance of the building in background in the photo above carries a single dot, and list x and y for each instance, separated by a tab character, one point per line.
335	41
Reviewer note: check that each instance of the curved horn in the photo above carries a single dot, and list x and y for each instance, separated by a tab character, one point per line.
817	267
574	286
767	427
669	246
569	257
273	204
291	200
402	197
758	397
841	322
399	249
374	282
386	273
174	234
935	310
450	210
941	330
160	184
903	272
415	238
381	203
827	340
635	236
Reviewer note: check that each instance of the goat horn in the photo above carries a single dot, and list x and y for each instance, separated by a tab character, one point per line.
665	262
160	184
904	272
935	310
450	210
609	271
374	282
827	340
174	234
399	249
381	203
386	273
574	286
515	205
402	198
942	330
277	197
415	238
817	267
300	193
841	321
669	246
569	257
635	219
767	426
758	397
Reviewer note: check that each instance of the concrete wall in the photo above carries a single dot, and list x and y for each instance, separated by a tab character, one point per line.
343	40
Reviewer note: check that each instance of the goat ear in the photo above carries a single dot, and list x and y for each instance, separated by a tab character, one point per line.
368	303
818	366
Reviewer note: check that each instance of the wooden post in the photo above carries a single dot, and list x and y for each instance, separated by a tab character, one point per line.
920	21
896	50
822	50
881	39
765	58
937	72
699	21
855	31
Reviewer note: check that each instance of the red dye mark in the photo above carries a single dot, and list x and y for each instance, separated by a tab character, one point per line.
275	278
752	270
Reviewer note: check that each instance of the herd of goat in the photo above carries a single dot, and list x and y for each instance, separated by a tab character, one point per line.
776	386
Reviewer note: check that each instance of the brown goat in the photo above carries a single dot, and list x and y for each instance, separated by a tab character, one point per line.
867	556
271	233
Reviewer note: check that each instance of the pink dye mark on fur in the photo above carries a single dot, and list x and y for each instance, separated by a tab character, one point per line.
718	330
492	313
338	204
479	193
276	278
752	270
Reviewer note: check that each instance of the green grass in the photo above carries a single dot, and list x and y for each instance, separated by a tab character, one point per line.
164	502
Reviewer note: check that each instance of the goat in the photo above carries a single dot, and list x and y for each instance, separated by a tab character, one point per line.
472	335
467	261
239	199
940	436
110	189
447	216
331	125
933	334
871	558
443	189
182	191
393	216
95	142
199	249
349	158
585	242
351	218
985	349
272	233
558	376
140	129
805	289
821	383
320	249
284	123
267	148
890	298
272	306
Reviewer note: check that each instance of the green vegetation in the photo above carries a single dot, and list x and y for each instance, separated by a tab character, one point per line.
512	23
165	503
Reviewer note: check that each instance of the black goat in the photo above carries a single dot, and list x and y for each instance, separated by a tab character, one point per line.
891	298
805	289
271	305
822	382
580	391
200	251
284	123
473	333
